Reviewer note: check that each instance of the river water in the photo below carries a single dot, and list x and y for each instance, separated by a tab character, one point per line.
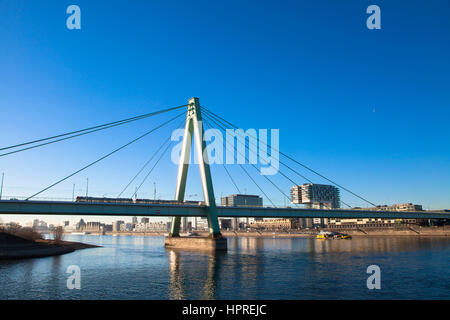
135	267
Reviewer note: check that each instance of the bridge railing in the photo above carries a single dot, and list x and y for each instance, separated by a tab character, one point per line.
8	197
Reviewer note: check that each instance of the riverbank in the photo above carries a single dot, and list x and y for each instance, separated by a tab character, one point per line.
224	233
13	247
443	231
408	231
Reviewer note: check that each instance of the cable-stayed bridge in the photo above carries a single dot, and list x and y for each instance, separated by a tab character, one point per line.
195	117
187	210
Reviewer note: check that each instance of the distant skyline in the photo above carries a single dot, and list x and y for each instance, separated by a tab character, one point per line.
366	108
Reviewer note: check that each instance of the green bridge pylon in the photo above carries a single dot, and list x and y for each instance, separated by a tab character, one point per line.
194	128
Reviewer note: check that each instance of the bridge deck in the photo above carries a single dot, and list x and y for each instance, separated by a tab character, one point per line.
169	210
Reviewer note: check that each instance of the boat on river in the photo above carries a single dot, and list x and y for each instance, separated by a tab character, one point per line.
332	235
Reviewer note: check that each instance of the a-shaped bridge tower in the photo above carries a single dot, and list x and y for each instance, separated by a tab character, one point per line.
194	129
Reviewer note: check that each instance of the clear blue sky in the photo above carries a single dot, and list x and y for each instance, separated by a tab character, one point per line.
367	108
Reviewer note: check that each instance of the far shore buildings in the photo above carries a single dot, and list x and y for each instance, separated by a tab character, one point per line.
157	226
275	224
336	223
94	227
315	196
119	226
40	225
241	200
116	227
320	196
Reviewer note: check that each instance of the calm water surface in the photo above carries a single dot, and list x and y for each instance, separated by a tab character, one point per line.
131	267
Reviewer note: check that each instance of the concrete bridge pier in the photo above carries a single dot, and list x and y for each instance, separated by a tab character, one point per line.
196	243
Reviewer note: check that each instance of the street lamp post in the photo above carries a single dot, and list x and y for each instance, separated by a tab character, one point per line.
1	187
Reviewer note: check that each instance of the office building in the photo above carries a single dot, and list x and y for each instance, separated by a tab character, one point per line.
336	223
275	224
225	224
317	196
241	200
157	226
201	224
117	225
93	227
80	225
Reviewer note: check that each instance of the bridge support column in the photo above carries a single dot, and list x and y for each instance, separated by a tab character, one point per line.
196	243
194	127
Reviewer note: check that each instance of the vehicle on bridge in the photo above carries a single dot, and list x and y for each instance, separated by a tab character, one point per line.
104	200
137	201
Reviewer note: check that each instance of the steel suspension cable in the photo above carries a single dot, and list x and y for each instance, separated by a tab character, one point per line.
143	167
148	174
62	139
300	175
242	167
226	170
279	171
267	178
146	164
231	178
209	117
105	156
91	129
299	163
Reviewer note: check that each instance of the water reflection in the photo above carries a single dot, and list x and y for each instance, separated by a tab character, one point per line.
375	244
252	268
176	279
54	278
203	275
207	269
258	268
